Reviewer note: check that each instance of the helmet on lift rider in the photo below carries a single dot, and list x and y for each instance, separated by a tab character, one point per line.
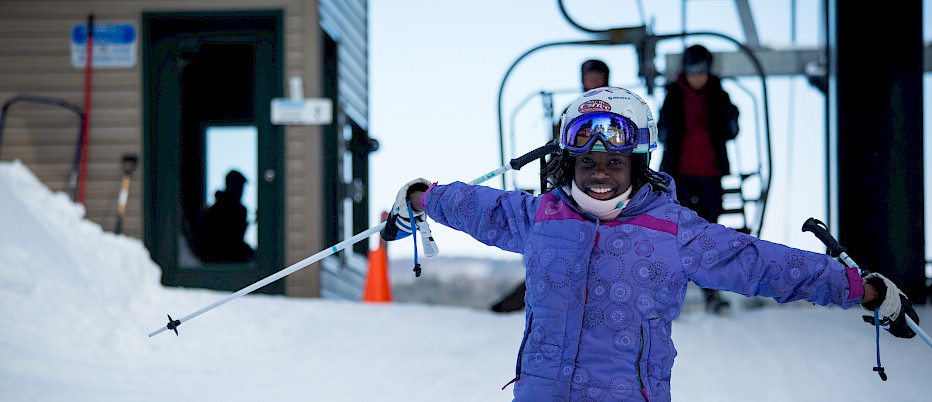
608	119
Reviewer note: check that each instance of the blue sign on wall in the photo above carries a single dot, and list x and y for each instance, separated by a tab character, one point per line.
114	46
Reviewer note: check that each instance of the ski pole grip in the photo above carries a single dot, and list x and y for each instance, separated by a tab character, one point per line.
519	162
820	230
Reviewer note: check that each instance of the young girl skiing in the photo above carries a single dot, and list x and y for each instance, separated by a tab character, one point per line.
609	252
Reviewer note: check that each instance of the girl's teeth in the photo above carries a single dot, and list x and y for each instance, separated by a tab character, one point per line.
601	190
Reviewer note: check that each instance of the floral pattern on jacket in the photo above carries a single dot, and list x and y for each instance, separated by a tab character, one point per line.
602	296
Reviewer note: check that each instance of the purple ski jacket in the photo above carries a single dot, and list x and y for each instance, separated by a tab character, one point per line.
602	296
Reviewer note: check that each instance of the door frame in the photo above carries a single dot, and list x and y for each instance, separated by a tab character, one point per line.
162	220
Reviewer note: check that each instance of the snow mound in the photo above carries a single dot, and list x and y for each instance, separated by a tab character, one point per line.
48	251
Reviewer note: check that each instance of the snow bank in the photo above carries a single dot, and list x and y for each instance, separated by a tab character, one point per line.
61	273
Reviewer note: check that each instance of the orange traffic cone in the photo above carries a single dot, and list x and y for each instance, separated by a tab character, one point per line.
378	289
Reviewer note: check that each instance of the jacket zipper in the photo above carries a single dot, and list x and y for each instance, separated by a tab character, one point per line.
637	365
632	206
596	245
527	332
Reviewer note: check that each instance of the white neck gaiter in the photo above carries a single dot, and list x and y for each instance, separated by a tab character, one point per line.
604	210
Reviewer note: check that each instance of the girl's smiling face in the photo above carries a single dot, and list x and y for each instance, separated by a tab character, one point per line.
602	175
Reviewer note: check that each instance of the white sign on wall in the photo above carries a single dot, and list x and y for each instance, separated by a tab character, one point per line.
310	111
114	46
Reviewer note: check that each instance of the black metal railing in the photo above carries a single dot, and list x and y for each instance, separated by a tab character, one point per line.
73	178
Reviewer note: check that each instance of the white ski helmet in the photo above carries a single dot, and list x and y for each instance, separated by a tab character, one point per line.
616	116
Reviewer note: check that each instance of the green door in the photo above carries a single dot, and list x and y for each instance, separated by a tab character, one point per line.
213	160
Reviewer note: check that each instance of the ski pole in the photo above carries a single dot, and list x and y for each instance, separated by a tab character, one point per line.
514	164
820	230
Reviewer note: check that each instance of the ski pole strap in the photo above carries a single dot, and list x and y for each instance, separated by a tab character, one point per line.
417	266
879	368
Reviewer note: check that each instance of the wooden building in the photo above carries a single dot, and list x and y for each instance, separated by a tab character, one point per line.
187	87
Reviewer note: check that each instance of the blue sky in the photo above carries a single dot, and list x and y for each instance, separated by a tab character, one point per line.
435	74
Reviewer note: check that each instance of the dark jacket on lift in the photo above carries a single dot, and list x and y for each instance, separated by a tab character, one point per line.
722	120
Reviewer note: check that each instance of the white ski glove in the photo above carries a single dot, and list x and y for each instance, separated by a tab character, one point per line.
399	225
892	306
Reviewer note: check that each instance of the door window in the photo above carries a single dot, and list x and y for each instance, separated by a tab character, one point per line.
234	148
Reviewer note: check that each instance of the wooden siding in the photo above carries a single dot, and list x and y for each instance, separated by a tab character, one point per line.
35	59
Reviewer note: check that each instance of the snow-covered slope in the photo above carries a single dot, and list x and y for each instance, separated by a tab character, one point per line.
77	303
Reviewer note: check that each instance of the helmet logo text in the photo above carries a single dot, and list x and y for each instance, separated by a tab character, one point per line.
595	105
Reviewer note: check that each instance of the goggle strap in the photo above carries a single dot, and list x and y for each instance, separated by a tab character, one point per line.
643	136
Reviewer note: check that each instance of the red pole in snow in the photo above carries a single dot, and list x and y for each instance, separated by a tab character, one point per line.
85	134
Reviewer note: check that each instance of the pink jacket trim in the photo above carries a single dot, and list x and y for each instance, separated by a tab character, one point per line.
855	284
650	222
425	194
553	208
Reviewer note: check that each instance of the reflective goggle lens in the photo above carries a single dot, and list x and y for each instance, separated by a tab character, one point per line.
617	132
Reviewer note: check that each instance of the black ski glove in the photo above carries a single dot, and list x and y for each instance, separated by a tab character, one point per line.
398	225
892	305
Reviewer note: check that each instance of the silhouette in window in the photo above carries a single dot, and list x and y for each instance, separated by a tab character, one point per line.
222	227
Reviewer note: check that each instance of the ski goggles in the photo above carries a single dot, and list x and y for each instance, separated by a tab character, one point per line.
618	134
